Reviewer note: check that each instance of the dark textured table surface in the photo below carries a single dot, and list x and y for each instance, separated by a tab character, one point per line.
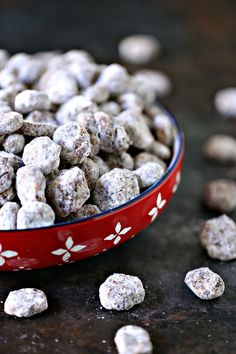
199	51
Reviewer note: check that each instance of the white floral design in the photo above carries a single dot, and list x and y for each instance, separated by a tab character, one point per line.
177	182
159	205
119	233
6	254
69	247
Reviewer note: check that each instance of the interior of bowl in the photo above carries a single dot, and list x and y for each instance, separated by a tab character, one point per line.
177	149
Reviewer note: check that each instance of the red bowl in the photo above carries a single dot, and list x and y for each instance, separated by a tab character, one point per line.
72	241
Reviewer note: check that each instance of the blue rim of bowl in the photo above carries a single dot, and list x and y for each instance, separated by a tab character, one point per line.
178	147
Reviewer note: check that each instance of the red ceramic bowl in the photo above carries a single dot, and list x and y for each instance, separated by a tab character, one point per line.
72	241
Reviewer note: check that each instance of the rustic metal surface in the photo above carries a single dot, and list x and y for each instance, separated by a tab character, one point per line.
199	54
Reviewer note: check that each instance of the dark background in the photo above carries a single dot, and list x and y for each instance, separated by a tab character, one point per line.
199	54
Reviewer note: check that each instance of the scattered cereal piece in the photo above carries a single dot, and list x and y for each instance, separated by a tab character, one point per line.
204	283
25	302
14	143
225	102
139	49
74	141
133	340
30	184
102	165
220	195
35	214
43	153
67	191
10	122
8	216
149	173
115	188
6	176
121	292
221	148
218	236
30	100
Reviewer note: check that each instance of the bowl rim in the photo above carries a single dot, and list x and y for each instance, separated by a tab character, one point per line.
178	149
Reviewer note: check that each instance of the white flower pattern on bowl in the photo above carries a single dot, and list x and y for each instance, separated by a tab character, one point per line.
177	182
160	203
119	233
6	254
66	252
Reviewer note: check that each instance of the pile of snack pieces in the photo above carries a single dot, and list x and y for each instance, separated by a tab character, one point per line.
76	137
120	292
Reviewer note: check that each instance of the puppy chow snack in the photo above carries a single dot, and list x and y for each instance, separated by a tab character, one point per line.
8	216
225	102
115	188
132	339
121	292
221	148
218	237
35	214
67	191
77	137
25	302
139	49
204	283
220	195
30	184
43	153
149	173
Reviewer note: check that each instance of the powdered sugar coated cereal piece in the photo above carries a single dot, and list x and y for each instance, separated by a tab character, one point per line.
14	143
218	237
85	211
130	100
45	117
8	216
35	214
123	160
139	49
10	122
135	125
115	188
115	78
160	150
4	56
91	171
30	184
221	148
77	104
121	292
43	153
25	302
156	80
144	157
102	165
61	86
96	93
14	160
7	196
30	100
74	141
67	191
37	129
4	106
220	195
133	340
85	74
204	283
111	107
164	129
6	176
225	101
149	173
